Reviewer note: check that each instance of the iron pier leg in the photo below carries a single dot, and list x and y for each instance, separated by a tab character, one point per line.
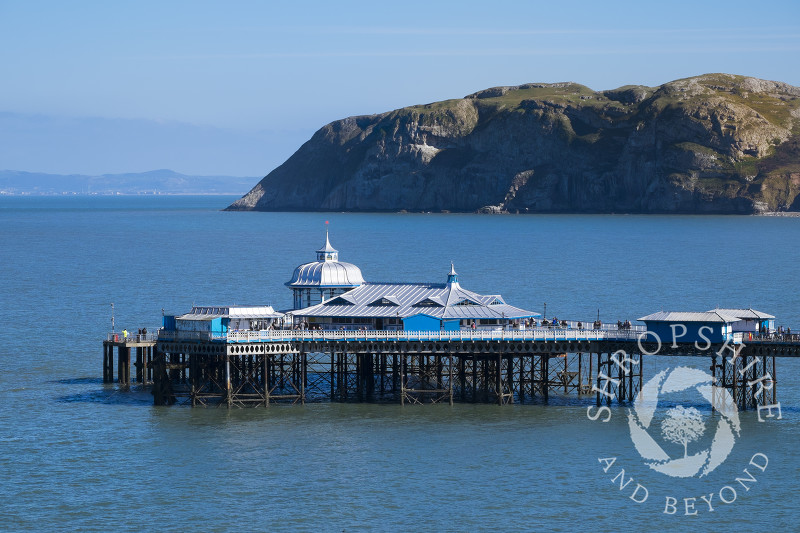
743	383
599	401
403	380
450	377
303	375
228	391
546	377
774	382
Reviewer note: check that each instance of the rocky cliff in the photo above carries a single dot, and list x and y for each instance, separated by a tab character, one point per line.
715	143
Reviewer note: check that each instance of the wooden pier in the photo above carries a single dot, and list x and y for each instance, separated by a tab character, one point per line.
265	368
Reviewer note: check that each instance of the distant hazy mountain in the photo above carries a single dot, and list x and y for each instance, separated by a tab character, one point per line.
716	143
93	145
153	182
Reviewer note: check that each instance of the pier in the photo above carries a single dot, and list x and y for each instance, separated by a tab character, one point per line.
261	368
346	340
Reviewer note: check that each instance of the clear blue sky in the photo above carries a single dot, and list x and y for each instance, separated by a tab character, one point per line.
235	87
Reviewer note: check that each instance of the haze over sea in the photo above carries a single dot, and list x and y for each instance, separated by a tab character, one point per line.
78	454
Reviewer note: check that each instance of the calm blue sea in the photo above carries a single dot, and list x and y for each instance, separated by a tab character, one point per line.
77	454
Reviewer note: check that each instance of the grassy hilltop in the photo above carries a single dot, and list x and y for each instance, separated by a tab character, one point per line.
716	143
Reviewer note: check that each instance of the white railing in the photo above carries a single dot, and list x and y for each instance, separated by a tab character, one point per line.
191	336
132	337
774	338
404	335
478	334
537	334
574	324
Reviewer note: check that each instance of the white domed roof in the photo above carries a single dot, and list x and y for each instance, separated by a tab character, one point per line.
326	274
327	271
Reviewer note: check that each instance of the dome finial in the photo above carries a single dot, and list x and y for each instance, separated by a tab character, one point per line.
327	252
452	277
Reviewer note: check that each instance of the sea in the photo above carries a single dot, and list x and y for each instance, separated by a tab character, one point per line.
77	454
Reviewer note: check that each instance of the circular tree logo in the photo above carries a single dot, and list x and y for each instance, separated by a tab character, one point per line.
683	426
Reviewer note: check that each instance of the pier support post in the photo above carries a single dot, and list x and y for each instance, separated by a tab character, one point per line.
228	390
743	383
393	370
266	380
148	376
450	377
139	364
303	375
545	377
774	381
124	366
498	383
333	376
601	386
108	363
403	380
162	388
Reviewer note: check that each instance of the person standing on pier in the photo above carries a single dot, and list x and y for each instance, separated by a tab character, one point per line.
125	334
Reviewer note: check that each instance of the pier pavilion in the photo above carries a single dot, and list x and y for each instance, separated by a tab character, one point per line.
415	307
216	321
323	279
670	327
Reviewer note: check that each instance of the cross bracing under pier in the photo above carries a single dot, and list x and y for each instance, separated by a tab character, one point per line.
426	367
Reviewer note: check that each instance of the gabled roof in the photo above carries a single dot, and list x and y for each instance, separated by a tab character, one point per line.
493	299
467	301
430	301
390	299
407	297
342	299
744	314
672	316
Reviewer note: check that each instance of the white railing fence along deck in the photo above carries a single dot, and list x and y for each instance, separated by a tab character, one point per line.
537	334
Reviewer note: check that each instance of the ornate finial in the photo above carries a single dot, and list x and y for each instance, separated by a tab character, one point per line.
452	277
328	252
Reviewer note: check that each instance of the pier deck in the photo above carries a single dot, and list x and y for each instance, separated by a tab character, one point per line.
241	368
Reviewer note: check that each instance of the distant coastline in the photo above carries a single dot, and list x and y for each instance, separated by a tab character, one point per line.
791	214
152	183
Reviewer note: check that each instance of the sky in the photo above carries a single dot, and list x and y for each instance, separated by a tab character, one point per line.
235	87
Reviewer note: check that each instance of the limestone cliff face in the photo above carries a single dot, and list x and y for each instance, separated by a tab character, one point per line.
711	144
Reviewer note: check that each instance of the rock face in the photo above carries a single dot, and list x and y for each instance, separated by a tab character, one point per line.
715	143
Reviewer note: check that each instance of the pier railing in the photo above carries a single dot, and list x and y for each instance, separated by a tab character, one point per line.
534	334
537	334
132	337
